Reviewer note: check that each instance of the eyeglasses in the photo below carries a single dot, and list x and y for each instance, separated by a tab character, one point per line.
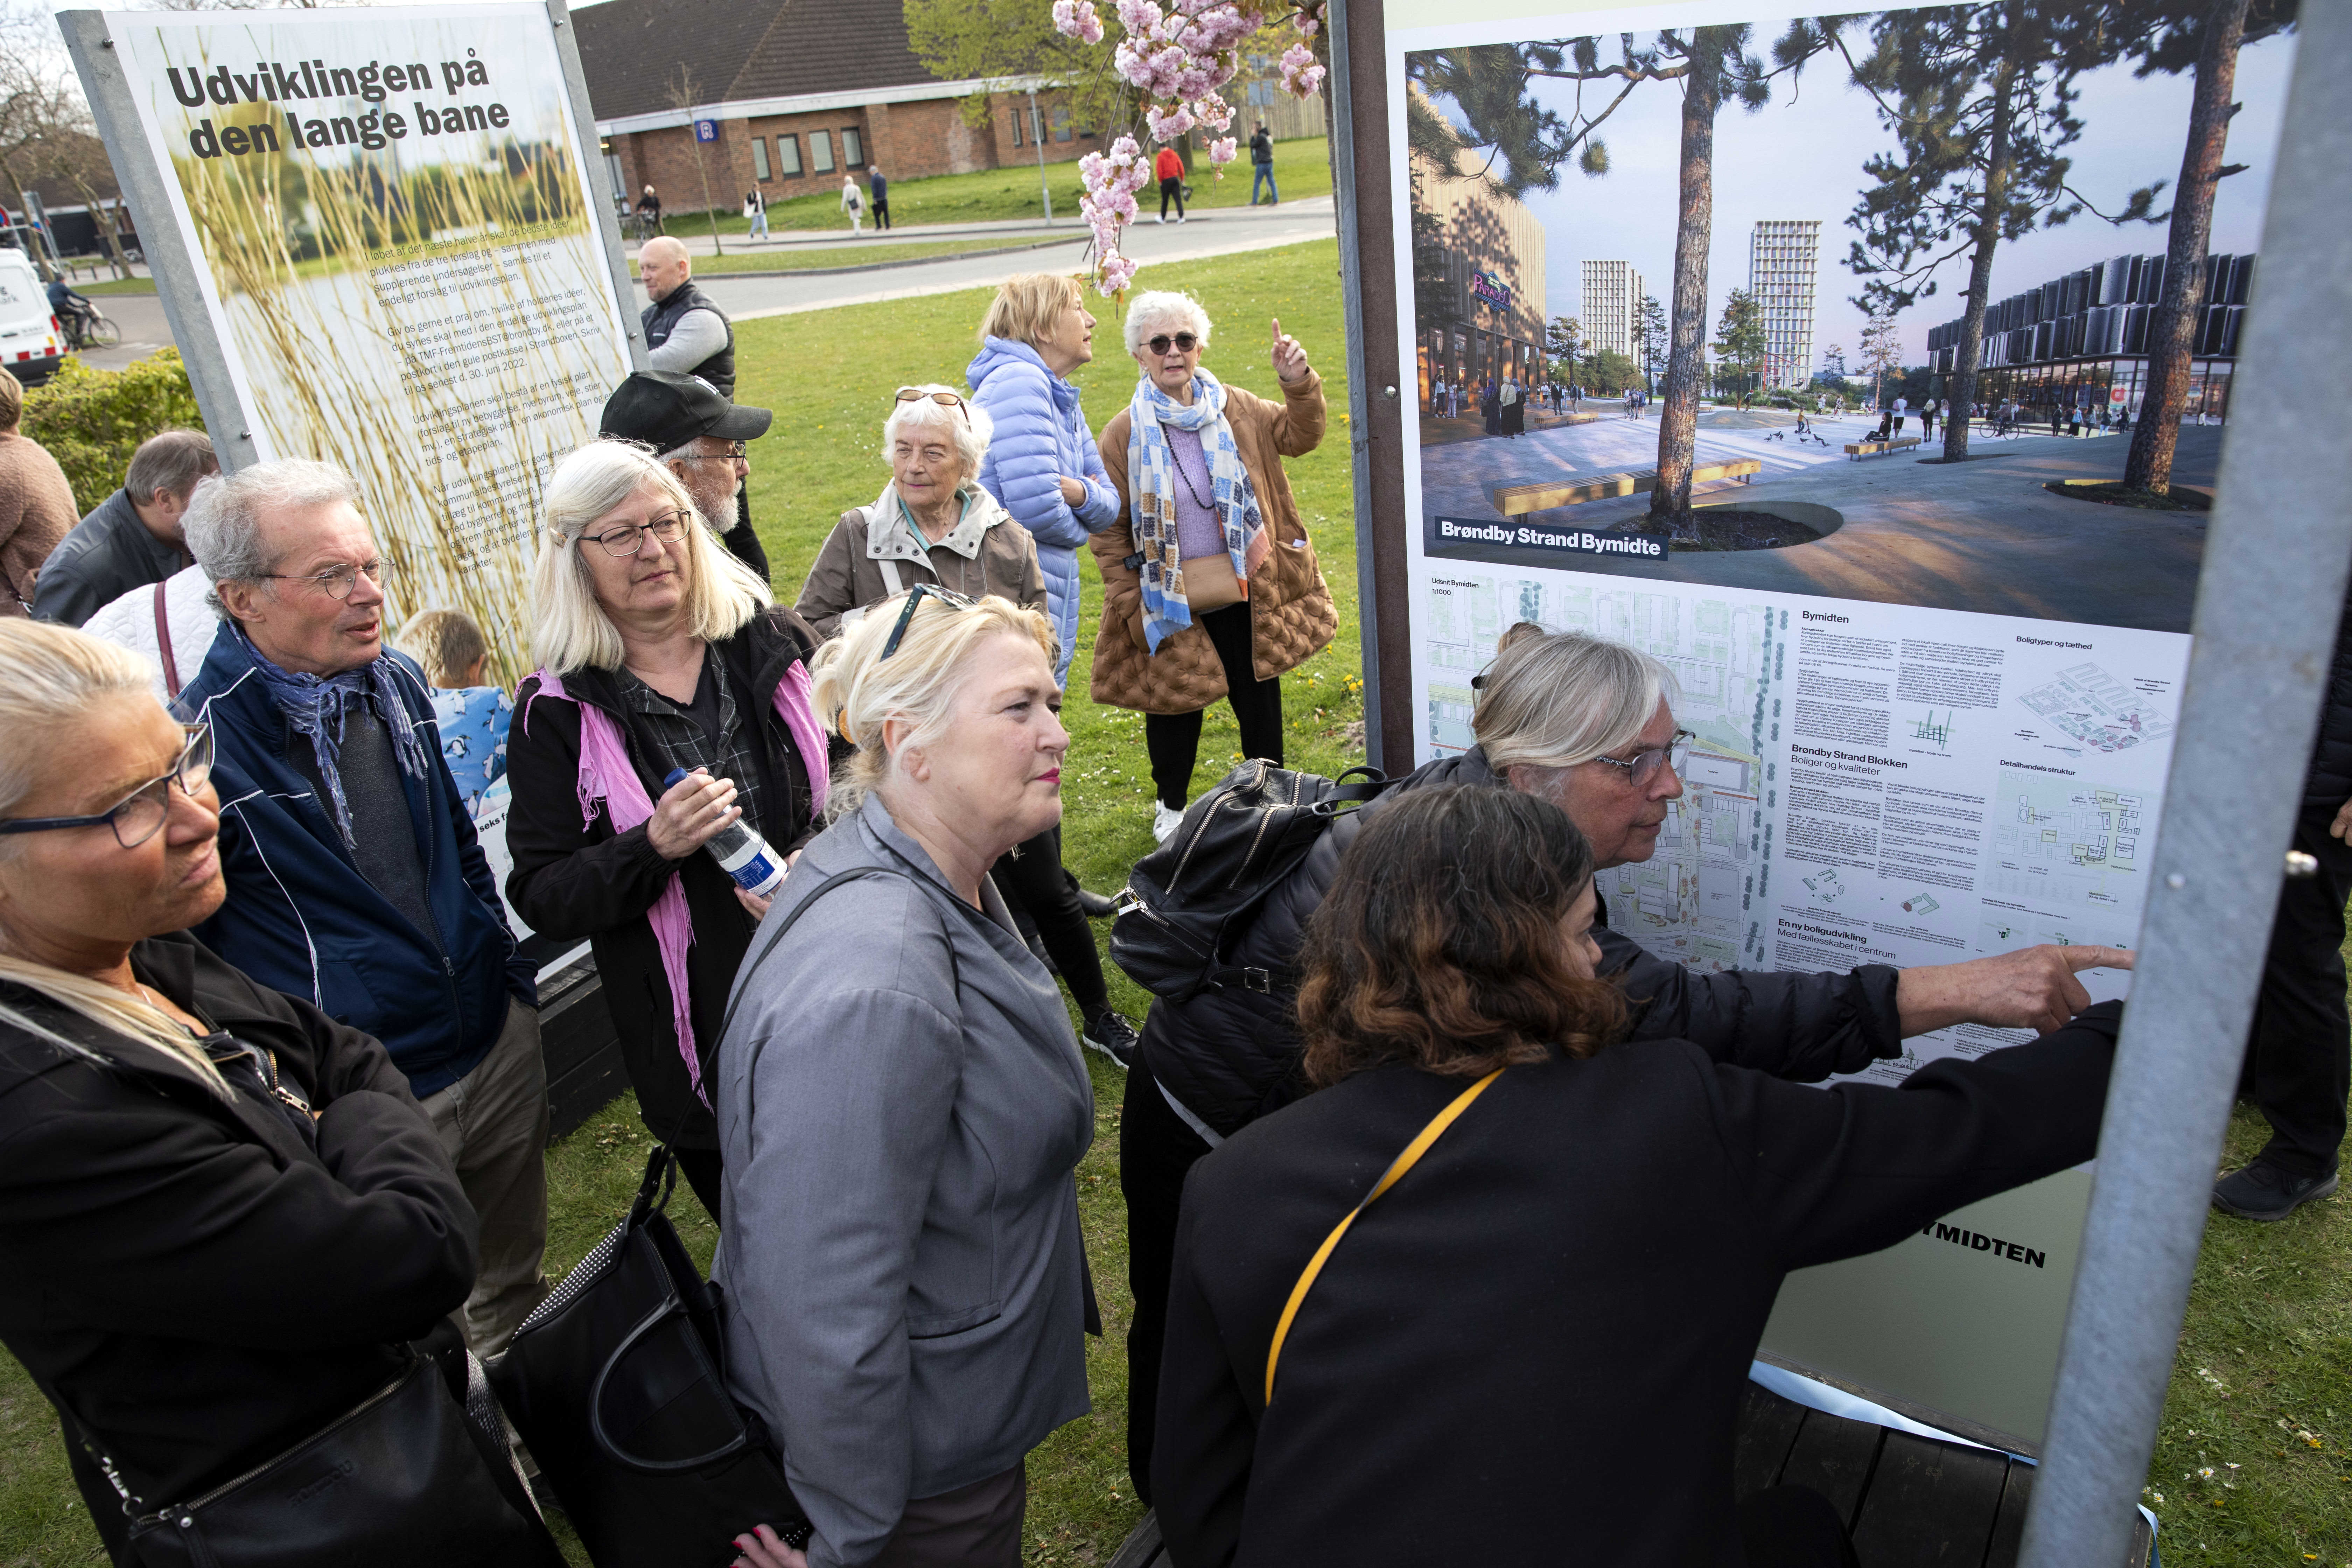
1642	766
736	451
955	601
630	538
1185	342
336	583
139	815
944	399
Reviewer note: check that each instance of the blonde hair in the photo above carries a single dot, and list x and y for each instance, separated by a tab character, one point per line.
1155	306
50	679
857	691
445	642
969	427
1554	699
569	629
1026	306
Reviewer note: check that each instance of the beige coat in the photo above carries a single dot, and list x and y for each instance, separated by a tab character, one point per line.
1291	614
986	553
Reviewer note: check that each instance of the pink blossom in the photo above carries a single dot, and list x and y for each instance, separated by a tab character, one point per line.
1076	18
1222	151
1167	126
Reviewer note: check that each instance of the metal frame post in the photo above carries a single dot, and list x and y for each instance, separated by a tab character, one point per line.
169	262
2268	605
591	162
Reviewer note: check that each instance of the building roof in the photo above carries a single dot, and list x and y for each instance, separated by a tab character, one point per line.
773	54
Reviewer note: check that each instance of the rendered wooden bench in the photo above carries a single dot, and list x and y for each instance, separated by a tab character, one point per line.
1517	501
1857	449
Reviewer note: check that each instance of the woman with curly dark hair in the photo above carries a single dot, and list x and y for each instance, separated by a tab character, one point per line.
1532	1346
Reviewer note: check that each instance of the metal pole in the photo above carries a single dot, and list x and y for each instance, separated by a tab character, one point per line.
1037	135
1359	387
608	221
2267	608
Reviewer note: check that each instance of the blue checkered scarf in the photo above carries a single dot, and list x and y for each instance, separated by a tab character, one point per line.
1152	480
315	707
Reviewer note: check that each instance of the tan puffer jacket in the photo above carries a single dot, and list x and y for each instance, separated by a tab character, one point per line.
1291	614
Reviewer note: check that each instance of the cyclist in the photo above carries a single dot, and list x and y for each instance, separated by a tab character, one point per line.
74	311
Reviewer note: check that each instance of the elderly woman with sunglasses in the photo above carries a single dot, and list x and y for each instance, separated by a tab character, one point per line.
1210	585
218	1207
902	1106
659	653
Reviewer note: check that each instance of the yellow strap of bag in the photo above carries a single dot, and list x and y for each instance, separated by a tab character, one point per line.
1405	1162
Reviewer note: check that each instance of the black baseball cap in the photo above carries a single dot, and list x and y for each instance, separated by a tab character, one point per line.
665	410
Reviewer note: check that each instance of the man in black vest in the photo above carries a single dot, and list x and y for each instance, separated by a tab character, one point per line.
687	334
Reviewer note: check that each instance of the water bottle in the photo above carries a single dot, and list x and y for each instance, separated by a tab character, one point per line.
740	852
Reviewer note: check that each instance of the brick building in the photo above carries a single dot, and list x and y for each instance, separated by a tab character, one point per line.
801	96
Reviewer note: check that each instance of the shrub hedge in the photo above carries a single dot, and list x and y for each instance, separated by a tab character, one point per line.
93	420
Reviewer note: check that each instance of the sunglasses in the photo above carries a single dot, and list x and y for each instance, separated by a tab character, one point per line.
944	399
953	601
1185	342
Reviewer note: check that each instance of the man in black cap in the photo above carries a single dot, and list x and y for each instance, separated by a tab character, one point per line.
698	434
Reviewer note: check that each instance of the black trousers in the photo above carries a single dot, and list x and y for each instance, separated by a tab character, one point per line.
1171	191
1172	741
1032	877
1793	1527
2300	1057
1155	1151
882	211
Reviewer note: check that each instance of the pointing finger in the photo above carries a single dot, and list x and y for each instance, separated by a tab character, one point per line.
1277	331
2086	957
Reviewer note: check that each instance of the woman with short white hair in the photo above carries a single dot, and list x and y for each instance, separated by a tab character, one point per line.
902	1106
1210	584
657	652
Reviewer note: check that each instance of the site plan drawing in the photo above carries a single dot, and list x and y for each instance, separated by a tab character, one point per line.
2094	707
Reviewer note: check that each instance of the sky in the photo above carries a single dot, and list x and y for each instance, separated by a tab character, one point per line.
1801	157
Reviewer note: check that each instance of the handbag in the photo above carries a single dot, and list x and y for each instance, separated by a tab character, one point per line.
404	1477
617	1384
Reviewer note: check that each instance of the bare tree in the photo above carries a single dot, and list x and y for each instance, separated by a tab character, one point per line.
681	98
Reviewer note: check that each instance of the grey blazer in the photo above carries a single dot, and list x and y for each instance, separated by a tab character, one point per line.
901	1104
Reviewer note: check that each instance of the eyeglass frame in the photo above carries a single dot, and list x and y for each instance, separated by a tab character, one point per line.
1673	754
199	734
640	530
944	399
373	570
946	596
737	452
1158	344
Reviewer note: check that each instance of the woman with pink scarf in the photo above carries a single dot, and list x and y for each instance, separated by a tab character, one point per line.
658	653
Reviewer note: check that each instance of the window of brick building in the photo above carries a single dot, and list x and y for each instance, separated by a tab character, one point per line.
760	158
821	150
788	156
852	151
1061	124
1019	114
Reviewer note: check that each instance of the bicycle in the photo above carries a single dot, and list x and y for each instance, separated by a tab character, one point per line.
90	329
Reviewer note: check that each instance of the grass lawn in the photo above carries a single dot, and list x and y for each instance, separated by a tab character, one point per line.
1301	168
806	258
118	286
2266	1355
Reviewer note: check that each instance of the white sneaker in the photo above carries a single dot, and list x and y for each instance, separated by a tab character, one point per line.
1179	218
1164	217
1164	821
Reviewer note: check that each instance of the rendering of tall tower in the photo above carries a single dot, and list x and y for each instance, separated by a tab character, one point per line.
1783	259
1613	308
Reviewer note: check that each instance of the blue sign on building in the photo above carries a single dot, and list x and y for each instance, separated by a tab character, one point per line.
706	130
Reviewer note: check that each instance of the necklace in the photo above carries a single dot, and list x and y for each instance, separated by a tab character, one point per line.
1177	462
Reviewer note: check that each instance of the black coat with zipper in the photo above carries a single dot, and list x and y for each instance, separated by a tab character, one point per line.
576	879
189	1279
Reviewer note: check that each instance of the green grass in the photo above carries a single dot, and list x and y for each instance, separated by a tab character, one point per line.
1302	168
2271	1314
118	286
805	259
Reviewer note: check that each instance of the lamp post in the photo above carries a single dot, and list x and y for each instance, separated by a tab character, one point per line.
1037	134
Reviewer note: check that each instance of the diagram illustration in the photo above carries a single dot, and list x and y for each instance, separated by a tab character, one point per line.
1921	903
1934	731
2064	841
2097	710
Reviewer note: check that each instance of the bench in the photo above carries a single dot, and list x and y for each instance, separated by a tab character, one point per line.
1858	450
1517	500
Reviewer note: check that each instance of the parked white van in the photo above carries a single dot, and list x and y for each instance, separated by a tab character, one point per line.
31	343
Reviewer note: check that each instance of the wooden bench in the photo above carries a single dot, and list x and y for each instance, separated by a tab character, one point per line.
1858	450
1517	500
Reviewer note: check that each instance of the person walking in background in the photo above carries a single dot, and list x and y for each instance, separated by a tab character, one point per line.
1210	584
354	877
903	1107
1168	168
701	436
473	717
853	203
1490	405
1514	407
934	522
133	538
1901	406
236	1194
1927	420
880	186
1437	398
657	652
755	209
36	504
1261	167
2298	1067
649	211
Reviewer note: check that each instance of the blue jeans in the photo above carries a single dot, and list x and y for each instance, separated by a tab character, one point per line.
1263	173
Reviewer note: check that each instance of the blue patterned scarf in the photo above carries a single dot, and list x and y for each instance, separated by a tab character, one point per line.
316	707
1152	480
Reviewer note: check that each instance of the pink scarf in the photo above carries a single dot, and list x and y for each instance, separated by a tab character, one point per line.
606	774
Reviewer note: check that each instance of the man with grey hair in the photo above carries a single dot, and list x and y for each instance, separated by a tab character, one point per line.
1589	724
354	878
133	537
698	433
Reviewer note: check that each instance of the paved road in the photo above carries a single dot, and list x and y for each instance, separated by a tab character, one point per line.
140	317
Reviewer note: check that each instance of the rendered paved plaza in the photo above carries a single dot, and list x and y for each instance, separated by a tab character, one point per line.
1983	536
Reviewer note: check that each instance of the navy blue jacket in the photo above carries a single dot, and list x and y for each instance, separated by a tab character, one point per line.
301	918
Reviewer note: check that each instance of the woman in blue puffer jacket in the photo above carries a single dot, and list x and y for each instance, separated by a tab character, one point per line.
1041	465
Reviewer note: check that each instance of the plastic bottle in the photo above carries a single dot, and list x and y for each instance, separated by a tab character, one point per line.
740	852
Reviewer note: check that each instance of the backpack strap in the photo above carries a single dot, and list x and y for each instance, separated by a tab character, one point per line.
1405	1162
163	644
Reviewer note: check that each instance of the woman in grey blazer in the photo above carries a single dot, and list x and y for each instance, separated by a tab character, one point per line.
901	1104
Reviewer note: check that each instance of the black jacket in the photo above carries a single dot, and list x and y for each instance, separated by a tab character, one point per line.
1261	148
659	320
192	1282
2329	783
1229	1057
108	553
572	882
1532	1349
